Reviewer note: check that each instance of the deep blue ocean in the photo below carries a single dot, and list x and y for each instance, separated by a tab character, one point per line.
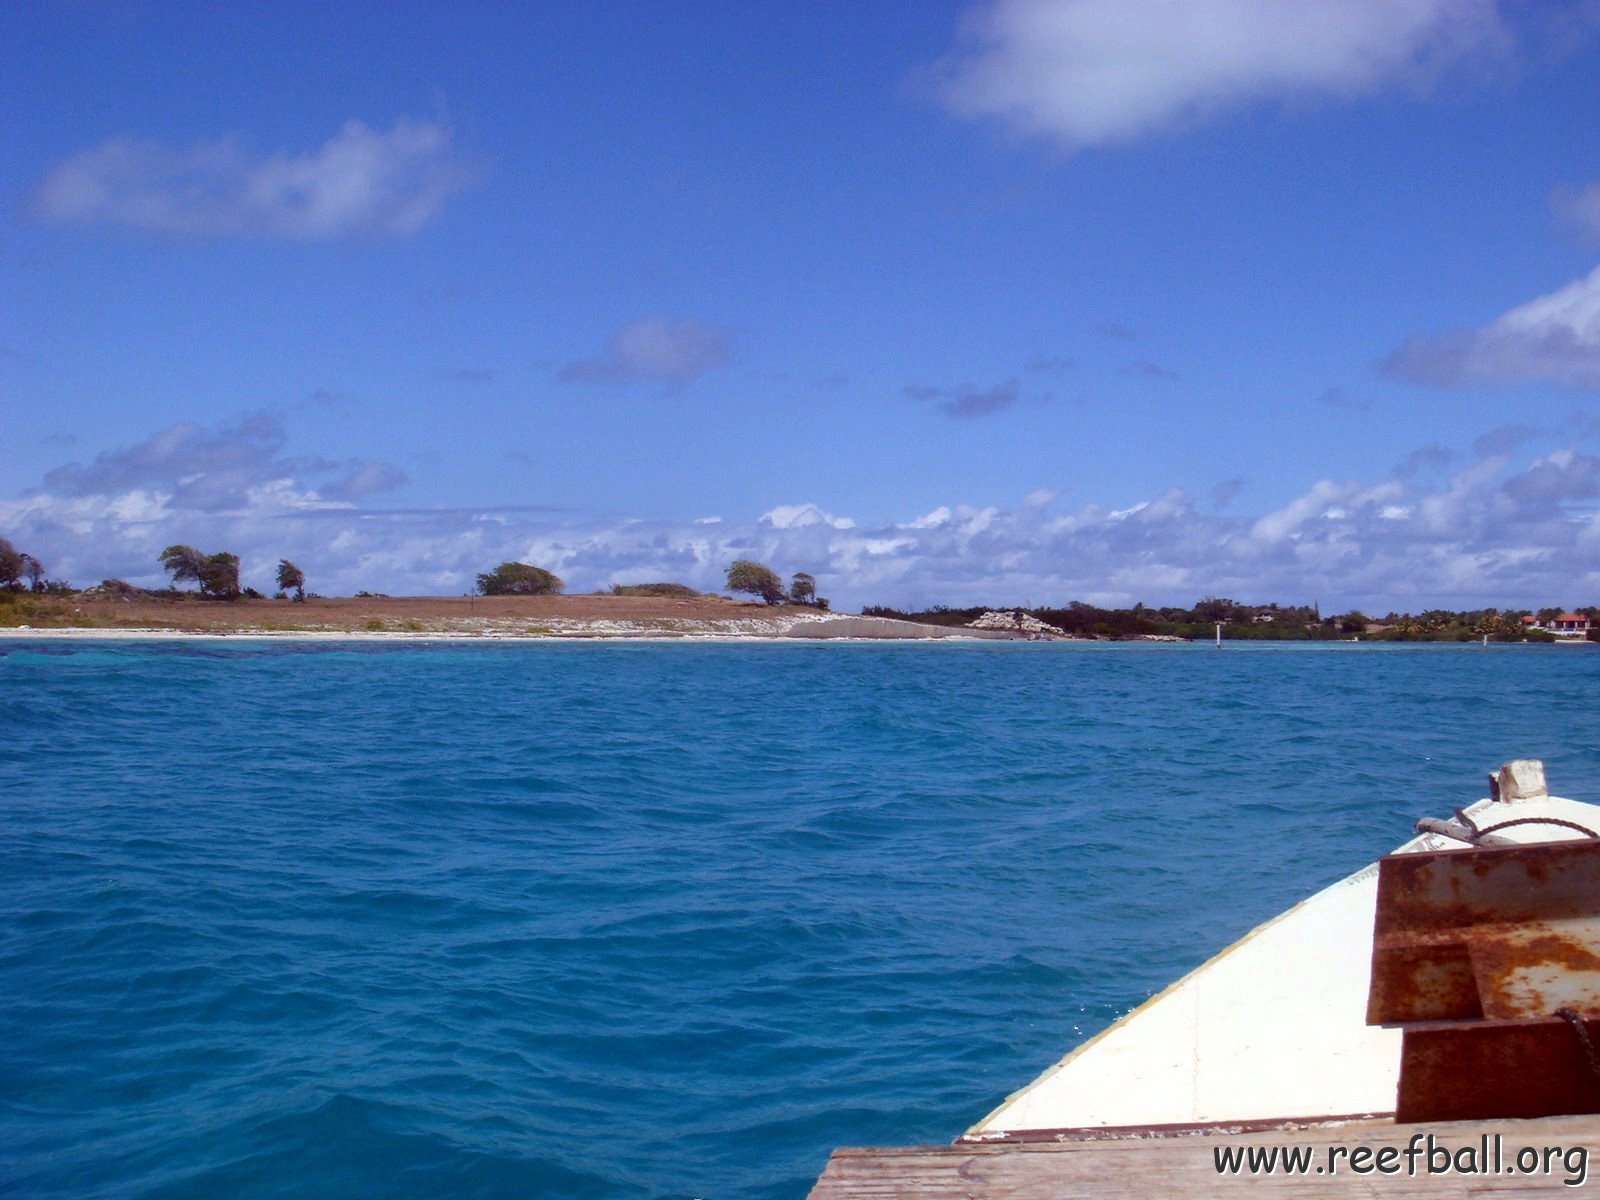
656	920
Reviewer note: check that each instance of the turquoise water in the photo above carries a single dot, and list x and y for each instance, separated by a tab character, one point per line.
640	920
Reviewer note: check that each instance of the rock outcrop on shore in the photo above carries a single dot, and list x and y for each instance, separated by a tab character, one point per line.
1024	624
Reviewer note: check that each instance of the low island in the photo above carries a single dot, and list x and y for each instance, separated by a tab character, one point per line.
518	600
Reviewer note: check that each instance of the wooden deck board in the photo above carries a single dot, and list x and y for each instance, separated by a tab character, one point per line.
1185	1165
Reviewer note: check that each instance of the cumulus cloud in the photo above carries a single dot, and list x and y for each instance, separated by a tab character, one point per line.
228	467
653	348
1554	338
966	400
1094	72
1491	529
360	183
798	516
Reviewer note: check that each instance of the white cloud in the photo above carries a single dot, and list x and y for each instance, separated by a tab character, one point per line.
360	183
798	516
932	520
1093	72
654	347
1555	338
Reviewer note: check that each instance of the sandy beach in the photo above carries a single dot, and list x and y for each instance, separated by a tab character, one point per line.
437	617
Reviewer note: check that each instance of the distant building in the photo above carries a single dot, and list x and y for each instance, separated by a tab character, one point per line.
1573	625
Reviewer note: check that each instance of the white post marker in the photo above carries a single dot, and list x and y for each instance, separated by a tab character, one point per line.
1219	635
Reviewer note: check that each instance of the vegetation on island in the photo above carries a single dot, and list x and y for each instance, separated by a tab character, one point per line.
16	565
756	579
216	574
675	591
1263	622
291	579
519	579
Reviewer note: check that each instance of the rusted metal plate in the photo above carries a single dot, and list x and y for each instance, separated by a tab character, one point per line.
1475	1070
1499	933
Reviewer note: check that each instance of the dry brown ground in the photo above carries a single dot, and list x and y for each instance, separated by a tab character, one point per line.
401	614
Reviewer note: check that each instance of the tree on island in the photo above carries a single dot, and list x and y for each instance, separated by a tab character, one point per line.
15	564
755	579
217	574
803	590
291	577
519	579
1219	608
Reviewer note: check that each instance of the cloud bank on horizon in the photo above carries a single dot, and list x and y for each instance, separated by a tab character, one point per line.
1431	532
1221	248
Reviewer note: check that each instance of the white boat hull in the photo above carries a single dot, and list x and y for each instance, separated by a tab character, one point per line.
1271	1029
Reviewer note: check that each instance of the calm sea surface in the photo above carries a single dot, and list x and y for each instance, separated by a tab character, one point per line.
630	920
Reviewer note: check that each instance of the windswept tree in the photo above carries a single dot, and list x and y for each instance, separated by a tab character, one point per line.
519	579
291	578
34	570
217	574
803	590
183	563
222	576
756	580
13	564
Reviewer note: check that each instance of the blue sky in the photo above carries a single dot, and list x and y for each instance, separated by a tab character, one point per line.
1005	302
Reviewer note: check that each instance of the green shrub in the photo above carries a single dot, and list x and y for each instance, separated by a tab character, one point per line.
675	591
519	579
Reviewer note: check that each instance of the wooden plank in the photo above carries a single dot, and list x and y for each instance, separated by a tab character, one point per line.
1186	1165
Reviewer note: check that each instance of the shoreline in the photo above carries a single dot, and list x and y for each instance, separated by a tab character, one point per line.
431	618
542	619
958	637
595	632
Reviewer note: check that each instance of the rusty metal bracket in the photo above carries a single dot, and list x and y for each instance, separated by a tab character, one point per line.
1500	933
